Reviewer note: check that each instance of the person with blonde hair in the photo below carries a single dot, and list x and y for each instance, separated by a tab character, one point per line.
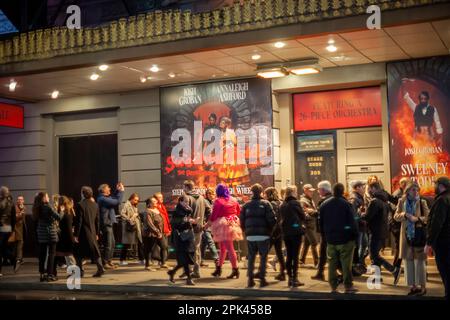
412	212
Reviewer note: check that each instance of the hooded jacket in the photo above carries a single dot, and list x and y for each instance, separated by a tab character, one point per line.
377	215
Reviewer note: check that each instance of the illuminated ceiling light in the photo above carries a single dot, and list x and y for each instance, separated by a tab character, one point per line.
271	71
331	47
55	94
304	67
103	67
94	76
256	56
12	85
172	75
143	79
279	45
154	68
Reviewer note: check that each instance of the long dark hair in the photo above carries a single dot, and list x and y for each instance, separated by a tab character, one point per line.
38	203
271	194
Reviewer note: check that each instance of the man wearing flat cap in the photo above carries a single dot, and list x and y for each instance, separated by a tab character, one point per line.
438	235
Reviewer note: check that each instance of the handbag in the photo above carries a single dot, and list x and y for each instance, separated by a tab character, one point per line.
420	233
131	227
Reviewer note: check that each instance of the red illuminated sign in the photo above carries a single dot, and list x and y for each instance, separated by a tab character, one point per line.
337	109
11	116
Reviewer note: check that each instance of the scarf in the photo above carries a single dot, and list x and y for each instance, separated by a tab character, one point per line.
410	208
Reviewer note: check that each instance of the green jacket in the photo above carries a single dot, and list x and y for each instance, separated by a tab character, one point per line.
438	220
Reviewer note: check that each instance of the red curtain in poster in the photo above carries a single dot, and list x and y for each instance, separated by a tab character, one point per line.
337	109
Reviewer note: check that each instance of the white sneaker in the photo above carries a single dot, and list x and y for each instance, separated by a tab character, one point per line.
123	263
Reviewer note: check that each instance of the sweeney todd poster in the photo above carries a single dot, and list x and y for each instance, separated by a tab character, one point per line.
419	120
214	133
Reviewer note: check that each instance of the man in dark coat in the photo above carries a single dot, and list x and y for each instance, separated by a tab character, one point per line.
377	219
87	228
438	235
257	222
338	224
357	201
324	189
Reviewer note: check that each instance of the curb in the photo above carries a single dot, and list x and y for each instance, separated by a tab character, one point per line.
199	291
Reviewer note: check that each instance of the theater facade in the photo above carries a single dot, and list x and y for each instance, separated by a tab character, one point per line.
275	92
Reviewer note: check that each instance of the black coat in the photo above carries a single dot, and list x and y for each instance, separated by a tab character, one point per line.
357	202
337	221
319	203
277	231
292	218
439	220
87	226
47	224
66	238
377	215
184	248
257	218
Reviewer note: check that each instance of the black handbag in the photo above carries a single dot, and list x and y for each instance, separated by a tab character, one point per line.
420	233
131	227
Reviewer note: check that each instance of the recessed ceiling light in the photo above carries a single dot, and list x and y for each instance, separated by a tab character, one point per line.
12	85
272	73
331	48
103	67
256	56
154	68
143	79
304	70
172	75
94	76
55	94
279	44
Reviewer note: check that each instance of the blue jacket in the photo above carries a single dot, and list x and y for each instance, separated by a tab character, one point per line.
106	207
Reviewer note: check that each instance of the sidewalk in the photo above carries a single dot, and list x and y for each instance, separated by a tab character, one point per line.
134	279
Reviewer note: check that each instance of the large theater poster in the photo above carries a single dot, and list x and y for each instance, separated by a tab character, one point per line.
214	133
419	120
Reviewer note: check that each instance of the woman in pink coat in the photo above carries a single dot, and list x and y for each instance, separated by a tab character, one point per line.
225	228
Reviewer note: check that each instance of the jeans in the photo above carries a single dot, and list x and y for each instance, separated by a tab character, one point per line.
375	246
255	247
4	236
340	255
363	246
227	247
278	244
148	247
109	243
397	260
47	252
208	242
198	254
322	255
292	244
442	256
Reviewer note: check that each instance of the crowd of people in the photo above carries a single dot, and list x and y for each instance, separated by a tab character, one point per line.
344	229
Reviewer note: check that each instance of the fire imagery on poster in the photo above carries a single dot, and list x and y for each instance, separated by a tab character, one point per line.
419	120
214	133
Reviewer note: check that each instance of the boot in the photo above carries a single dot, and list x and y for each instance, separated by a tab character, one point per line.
319	276
234	273
189	281
296	283
290	282
281	277
263	283
217	272
171	274
303	256
251	283
43	277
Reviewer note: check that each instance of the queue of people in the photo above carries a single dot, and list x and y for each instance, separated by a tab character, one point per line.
341	230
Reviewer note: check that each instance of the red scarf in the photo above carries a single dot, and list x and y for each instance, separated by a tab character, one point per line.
167	227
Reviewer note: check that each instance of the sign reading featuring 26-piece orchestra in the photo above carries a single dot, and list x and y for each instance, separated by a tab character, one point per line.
337	109
419	121
214	133
11	116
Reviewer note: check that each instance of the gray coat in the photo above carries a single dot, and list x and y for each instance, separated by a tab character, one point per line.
131	214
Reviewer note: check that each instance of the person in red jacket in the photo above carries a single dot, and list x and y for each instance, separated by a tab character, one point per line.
167	227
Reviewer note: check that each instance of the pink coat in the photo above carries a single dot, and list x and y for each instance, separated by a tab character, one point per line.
224	208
